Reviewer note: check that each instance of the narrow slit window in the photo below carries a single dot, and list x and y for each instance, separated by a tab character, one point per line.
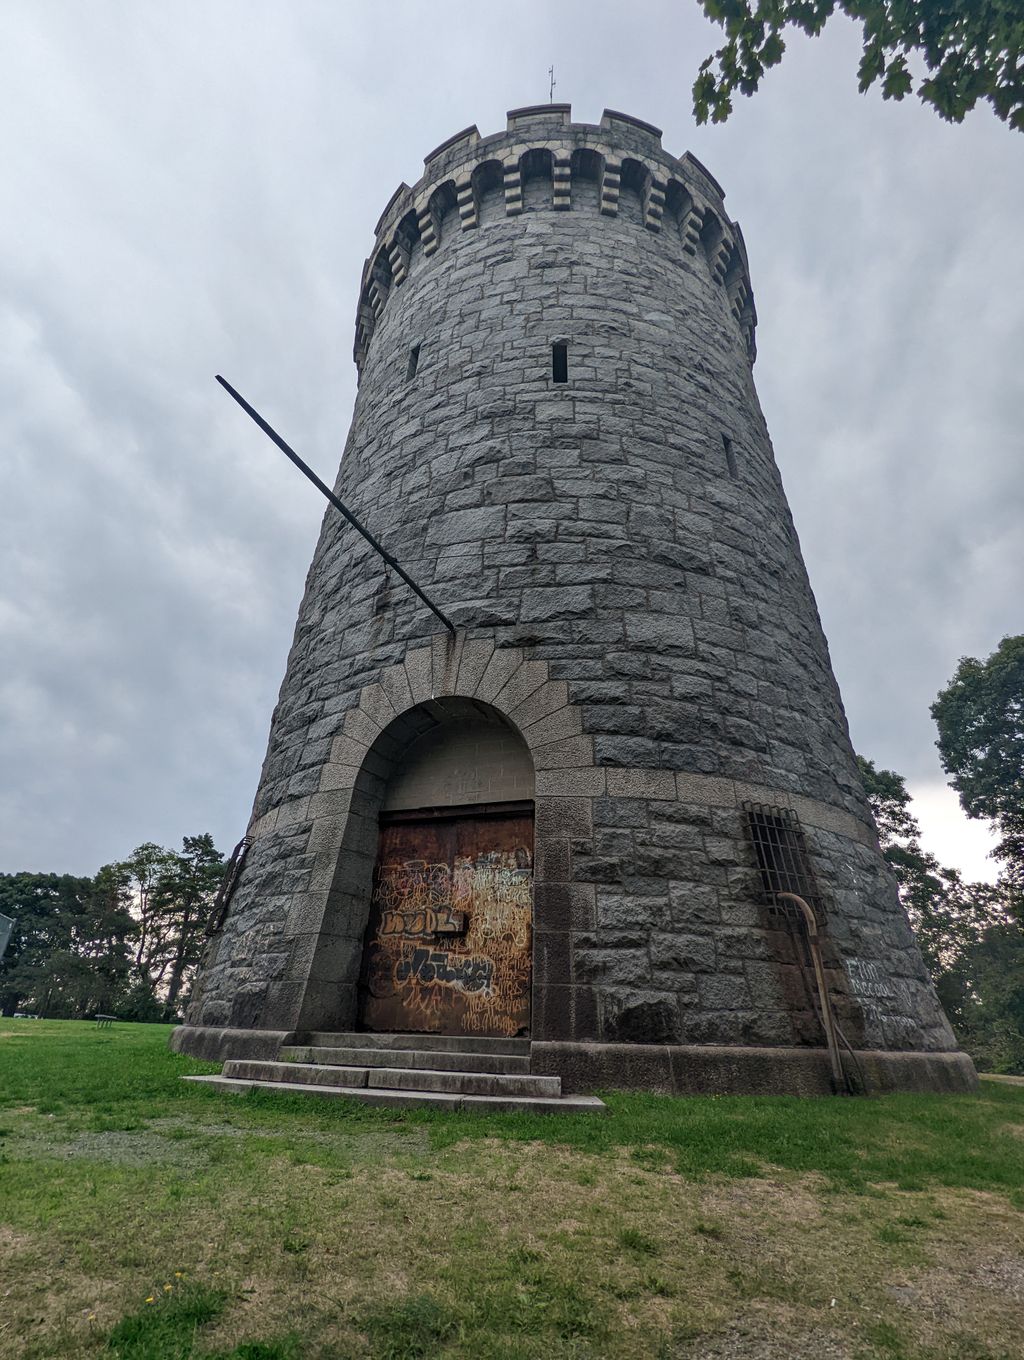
730	456
414	363
559	363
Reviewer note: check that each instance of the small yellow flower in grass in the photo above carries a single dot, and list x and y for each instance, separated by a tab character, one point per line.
178	1274
91	1317
168	1288
150	1299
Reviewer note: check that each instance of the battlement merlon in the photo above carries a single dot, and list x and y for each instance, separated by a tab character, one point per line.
674	190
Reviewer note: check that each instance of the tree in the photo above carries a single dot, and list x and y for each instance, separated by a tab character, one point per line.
971	50
990	1019
949	916
68	955
980	717
187	894
170	893
124	943
138	877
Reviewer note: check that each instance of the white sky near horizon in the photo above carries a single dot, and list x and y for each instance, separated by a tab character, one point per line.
954	839
192	188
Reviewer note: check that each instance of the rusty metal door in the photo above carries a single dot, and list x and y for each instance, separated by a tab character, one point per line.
450	936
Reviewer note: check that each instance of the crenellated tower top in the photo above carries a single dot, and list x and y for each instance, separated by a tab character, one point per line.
622	154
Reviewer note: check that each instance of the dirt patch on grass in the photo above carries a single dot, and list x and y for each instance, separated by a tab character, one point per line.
118	1147
1004	1275
136	1149
753	1342
11	1241
189	1146
46	1302
970	1291
361	1142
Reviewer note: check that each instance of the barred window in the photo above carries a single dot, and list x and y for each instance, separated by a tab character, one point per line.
782	858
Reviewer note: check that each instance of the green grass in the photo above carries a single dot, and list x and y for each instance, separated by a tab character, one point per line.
911	1140
146	1218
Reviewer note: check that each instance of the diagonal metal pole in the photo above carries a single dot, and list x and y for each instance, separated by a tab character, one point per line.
338	504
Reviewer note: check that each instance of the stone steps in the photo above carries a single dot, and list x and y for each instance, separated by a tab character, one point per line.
396	1078
406	1070
450	1043
412	1099
435	1059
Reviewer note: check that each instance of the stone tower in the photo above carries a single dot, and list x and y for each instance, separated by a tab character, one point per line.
569	821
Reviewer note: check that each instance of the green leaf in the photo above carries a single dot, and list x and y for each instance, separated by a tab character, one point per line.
872	64
771	52
897	83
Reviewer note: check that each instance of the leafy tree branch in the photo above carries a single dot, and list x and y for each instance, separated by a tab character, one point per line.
965	51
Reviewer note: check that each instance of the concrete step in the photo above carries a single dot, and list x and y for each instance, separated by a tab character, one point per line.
438	1060
413	1099
452	1043
395	1078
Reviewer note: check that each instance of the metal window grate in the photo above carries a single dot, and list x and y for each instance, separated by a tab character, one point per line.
782	858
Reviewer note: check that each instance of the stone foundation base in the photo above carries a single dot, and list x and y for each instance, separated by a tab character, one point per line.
214	1044
692	1070
671	1069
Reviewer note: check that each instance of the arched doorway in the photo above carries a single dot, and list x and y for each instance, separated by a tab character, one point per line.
449	939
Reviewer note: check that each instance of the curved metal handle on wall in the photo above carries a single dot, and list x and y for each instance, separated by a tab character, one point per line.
828	1020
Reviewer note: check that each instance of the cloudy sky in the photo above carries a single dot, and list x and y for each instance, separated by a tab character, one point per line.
191	188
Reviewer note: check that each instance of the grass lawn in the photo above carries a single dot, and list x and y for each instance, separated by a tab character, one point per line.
143	1218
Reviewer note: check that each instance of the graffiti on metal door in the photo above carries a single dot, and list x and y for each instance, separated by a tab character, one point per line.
449	943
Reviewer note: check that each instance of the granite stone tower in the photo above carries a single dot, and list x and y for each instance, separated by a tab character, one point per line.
563	830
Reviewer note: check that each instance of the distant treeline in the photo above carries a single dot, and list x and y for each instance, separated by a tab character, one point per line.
123	943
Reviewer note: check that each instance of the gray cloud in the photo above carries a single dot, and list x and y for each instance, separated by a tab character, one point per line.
192	189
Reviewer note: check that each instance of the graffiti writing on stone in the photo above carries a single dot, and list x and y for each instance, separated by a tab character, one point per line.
870	985
884	1001
868	980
